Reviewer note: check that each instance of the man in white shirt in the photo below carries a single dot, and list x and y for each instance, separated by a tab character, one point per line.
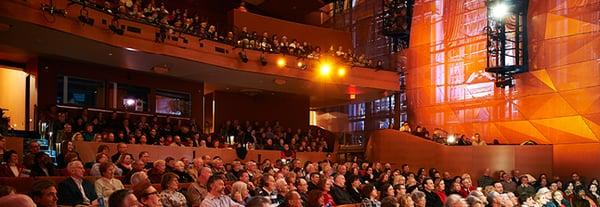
216	196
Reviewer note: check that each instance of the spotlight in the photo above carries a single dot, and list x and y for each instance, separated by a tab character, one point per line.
325	69
451	139
243	57
263	60
129	102
281	62
301	65
352	96
341	72
500	10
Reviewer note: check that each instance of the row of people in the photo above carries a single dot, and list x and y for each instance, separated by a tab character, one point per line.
179	22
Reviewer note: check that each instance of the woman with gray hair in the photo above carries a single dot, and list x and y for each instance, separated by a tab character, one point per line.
240	192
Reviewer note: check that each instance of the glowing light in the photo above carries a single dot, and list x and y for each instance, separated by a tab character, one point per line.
352	96
451	139
300	64
500	10
130	102
281	62
341	72
325	69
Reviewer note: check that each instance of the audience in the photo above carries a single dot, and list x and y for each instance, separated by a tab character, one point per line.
44	193
170	197
107	184
76	190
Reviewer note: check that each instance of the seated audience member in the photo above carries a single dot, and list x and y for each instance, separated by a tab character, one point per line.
67	148
137	166
19	200
102	158
293	199
353	189
155	174
287	153
169	195
11	166
122	198
433	200
121	149
240	193
216	196
325	186
107	184
125	161
147	195
338	190
181	173
267	188
369	193
440	189
197	164
315	179
282	189
42	166
197	191
389	202
139	177
525	190
44	194
29	158
406	201
76	190
144	156
418	198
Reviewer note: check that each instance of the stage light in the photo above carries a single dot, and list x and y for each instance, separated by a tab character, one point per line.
325	69
263	60
129	102
301	65
243	56
451	139
341	72
500	10
352	96
281	62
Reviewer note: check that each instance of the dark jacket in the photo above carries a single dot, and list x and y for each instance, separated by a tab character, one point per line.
69	194
433	200
354	194
340	196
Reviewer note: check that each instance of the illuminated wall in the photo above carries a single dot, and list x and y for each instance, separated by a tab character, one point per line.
557	102
12	88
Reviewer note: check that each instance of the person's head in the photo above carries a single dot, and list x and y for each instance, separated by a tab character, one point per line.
216	185
76	169
169	181
205	173
122	198
419	198
122	147
558	196
34	147
126	158
428	184
160	165
17	200
147	194
139	177
293	199
44	194
302	185
405	201
282	186
11	157
315	177
340	180
325	185
107	170
369	191
473	201
144	156
241	188
259	201
315	198
440	185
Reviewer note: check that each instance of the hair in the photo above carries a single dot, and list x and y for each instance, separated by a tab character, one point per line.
389	202
238	186
122	157
104	167
116	198
142	154
8	154
403	200
416	195
166	178
137	177
6	190
102	147
472	200
158	162
258	201
99	156
366	190
451	200
313	197
263	180
139	190
212	180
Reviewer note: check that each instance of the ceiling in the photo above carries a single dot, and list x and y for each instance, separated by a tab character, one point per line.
292	10
22	40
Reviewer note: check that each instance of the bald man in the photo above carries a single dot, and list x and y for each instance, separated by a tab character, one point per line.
17	200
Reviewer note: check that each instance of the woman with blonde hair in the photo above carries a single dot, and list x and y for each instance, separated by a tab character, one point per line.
240	192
